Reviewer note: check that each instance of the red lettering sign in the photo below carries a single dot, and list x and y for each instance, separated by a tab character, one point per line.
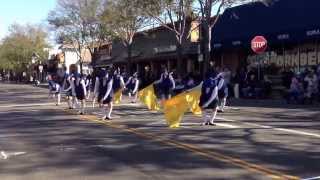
259	44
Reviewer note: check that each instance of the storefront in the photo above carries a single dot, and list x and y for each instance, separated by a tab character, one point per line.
292	28
154	48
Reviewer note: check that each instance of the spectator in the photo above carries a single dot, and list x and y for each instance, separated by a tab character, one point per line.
147	77
241	76
227	75
310	86
251	71
287	76
250	90
235	82
315	79
296	91
189	82
266	86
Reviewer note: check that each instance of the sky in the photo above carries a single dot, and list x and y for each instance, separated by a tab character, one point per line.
22	12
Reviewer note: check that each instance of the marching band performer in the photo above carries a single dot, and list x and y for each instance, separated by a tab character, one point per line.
166	84
209	98
70	91
222	92
80	90
54	89
133	87
87	80
104	92
118	82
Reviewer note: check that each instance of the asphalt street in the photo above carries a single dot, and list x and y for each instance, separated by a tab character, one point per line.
39	140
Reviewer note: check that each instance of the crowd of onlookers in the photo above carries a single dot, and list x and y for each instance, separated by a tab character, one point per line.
299	87
303	87
22	77
14	77
252	83
296	87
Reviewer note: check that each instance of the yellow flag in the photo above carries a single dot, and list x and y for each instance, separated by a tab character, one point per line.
148	97
193	99
117	97
175	108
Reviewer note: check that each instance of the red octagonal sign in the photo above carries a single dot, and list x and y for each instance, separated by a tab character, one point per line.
259	44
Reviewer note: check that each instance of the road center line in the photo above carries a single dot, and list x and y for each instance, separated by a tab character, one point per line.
191	148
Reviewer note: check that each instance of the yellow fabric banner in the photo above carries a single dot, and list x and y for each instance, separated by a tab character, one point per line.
193	99
148	97
117	97
175	108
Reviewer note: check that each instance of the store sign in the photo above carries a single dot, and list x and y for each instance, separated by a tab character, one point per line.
283	36
165	49
259	44
236	43
292	58
313	32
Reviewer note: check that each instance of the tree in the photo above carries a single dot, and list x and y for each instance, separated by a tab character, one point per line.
209	18
20	44
175	16
77	23
125	18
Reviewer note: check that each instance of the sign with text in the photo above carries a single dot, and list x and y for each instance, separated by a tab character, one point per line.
259	44
299	56
165	49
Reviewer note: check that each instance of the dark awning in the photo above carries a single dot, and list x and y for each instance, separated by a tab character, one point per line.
281	21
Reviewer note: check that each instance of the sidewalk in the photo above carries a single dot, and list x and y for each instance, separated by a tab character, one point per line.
269	103
237	103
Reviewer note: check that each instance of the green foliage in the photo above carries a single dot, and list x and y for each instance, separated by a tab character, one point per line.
124	18
171	14
17	48
77	23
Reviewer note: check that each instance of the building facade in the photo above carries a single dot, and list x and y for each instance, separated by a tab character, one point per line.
68	55
154	48
291	27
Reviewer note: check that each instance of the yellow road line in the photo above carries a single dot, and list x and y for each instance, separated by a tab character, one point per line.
205	153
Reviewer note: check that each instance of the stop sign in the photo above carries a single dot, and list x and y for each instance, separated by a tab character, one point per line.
259	44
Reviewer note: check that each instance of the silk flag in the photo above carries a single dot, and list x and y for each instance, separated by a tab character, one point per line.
117	97
149	98
176	107
174	110
193	99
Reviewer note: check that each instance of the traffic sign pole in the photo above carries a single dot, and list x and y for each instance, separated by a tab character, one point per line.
259	45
